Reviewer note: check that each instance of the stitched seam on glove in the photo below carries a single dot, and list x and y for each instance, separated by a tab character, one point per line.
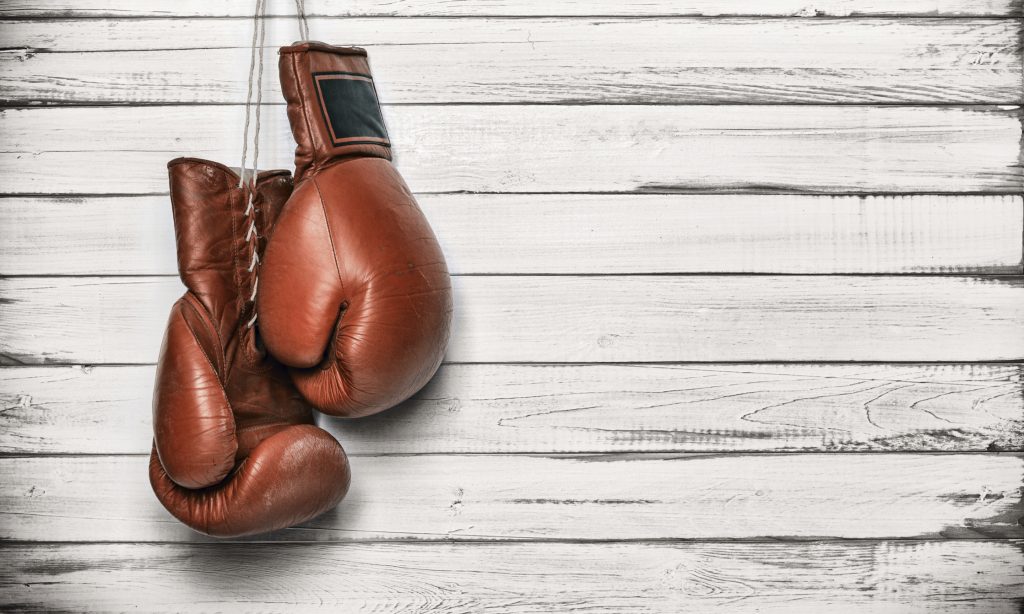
220	375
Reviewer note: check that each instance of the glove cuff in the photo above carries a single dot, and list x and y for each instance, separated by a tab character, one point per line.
219	238
332	105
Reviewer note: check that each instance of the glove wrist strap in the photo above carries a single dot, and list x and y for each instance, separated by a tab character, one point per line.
332	105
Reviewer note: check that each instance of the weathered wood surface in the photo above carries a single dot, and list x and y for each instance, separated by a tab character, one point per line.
869	576
474	8
705	318
483	457
580	408
532	60
548	148
595	497
588	234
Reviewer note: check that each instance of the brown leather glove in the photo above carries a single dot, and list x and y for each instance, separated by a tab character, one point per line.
354	295
235	449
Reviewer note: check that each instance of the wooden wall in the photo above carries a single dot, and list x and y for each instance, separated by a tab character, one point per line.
739	293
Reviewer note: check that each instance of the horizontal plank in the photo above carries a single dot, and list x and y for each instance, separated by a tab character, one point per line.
470	8
704	318
580	408
473	497
573	234
532	60
548	148
876	576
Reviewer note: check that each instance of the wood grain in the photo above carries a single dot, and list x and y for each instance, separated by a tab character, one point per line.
581	408
471	8
587	319
871	576
473	497
575	158
532	60
581	234
547	148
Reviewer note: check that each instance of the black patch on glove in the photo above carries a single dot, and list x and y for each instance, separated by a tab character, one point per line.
351	111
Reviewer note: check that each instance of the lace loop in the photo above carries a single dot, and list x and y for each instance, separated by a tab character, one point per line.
259	31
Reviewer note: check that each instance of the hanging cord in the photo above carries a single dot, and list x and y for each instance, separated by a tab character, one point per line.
259	30
300	13
257	27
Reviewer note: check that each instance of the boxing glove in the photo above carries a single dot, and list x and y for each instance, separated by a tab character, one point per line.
354	295
235	449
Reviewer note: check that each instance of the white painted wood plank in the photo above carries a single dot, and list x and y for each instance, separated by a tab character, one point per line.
532	60
568	233
606	497
547	148
885	577
953	39
580	408
471	8
704	318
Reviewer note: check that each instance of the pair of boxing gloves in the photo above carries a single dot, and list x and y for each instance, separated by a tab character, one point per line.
328	291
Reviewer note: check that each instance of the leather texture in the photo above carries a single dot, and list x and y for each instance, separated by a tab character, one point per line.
355	294
235	450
